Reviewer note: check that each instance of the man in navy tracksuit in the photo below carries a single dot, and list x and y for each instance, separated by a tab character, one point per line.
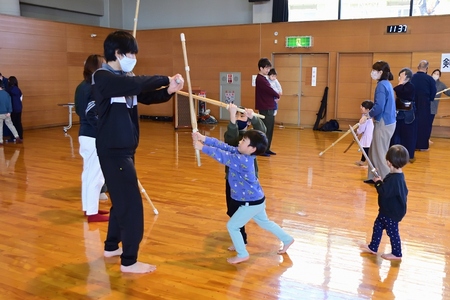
116	92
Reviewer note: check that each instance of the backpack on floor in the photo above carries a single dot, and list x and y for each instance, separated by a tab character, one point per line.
331	125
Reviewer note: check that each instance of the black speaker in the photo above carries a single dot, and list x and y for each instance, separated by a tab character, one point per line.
182	113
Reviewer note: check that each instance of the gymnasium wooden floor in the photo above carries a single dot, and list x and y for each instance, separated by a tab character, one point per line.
49	251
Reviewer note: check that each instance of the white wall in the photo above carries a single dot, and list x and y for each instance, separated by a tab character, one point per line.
262	12
153	14
10	7
156	14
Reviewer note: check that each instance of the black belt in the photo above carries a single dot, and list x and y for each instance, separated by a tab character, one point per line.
250	203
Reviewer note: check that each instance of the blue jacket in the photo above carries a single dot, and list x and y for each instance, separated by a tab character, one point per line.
16	95
5	102
244	183
384	103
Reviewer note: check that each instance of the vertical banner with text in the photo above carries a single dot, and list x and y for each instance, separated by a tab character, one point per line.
445	62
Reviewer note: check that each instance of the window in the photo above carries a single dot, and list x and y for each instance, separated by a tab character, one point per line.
366	9
431	7
313	10
317	10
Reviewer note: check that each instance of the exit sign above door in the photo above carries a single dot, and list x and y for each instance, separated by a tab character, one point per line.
299	41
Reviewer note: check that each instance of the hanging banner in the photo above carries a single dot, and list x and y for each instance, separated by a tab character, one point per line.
445	62
314	76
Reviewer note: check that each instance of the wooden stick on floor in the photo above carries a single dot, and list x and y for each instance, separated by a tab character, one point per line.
343	136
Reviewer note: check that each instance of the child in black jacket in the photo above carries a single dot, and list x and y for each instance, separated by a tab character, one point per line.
392	194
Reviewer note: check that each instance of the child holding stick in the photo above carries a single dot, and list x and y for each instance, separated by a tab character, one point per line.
392	193
365	130
245	187
238	125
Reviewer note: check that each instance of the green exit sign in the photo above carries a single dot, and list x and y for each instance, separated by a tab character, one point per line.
298	41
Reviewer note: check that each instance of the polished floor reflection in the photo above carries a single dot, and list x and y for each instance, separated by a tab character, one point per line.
49	251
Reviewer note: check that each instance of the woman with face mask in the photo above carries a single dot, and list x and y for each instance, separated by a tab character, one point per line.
383	113
440	86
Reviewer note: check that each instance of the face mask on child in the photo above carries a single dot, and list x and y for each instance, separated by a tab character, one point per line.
127	64
435	77
241	124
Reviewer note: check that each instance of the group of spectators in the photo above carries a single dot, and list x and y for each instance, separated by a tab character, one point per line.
404	114
10	109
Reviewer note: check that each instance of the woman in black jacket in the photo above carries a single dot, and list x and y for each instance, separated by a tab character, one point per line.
406	129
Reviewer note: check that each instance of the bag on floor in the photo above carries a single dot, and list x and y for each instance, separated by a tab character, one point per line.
331	125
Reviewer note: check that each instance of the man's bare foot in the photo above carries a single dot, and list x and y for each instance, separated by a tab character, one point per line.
117	252
138	267
390	256
236	259
364	248
231	248
285	247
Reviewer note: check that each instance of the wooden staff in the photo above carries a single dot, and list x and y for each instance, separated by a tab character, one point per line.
440	92
141	188
372	168
443	91
191	100
349	146
343	136
136	17
217	103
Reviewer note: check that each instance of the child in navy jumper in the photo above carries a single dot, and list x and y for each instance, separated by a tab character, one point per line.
245	187
392	193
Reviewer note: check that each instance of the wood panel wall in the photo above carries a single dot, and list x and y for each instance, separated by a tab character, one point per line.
47	58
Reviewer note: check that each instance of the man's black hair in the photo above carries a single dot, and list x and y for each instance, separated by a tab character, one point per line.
122	41
264	62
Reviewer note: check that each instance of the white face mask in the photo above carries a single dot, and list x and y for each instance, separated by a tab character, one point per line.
435	76
127	64
374	74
